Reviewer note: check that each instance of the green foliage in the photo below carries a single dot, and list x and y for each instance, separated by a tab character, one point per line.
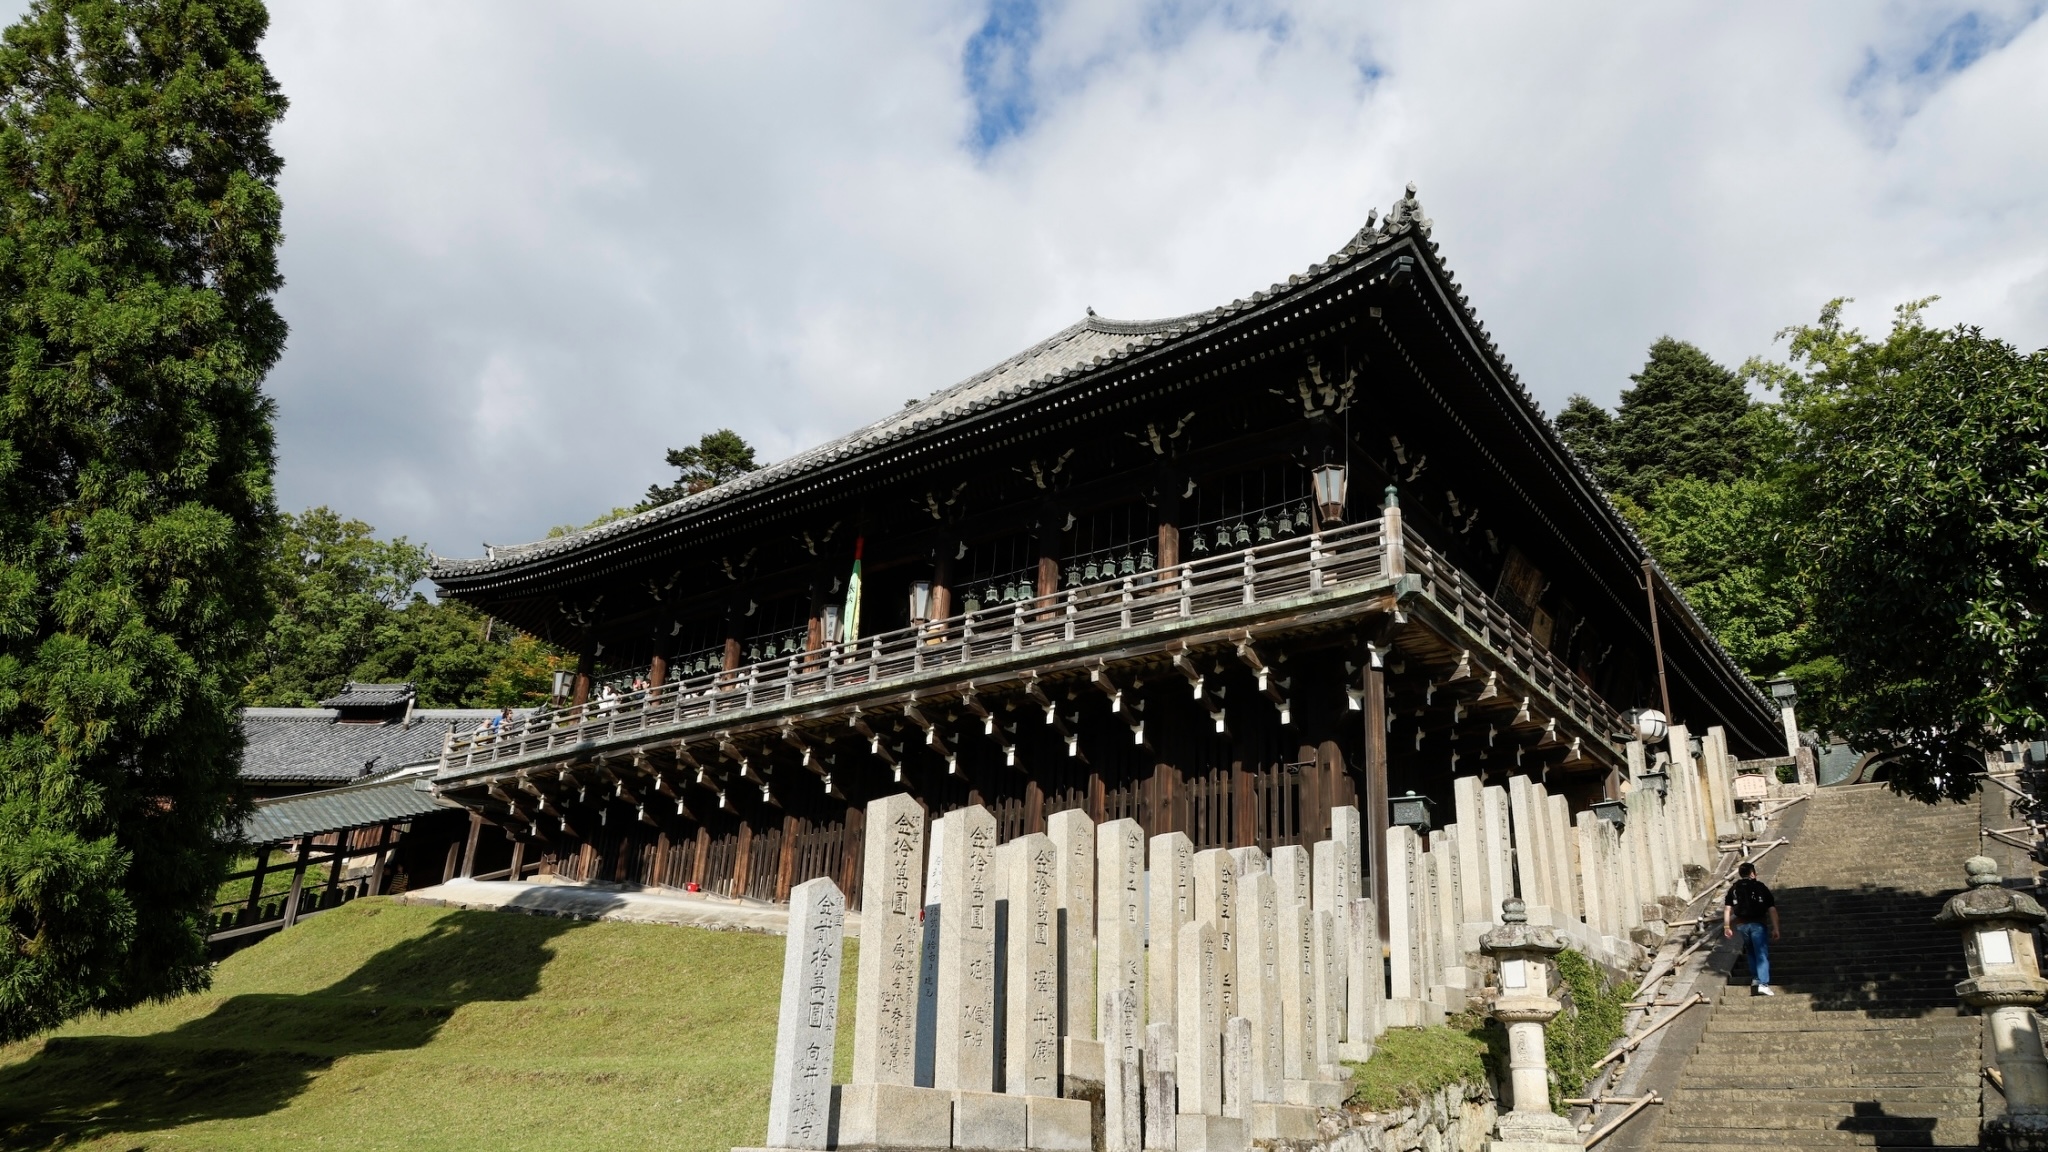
1581	1034
715	458
561	530
1687	417
347	610
336	587
1410	1063
139	222
1919	467
479	1029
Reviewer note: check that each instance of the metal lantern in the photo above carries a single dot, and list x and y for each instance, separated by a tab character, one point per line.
1696	747
1997	925
1413	811
829	618
565	684
1613	811
1657	779
920	601
1331	483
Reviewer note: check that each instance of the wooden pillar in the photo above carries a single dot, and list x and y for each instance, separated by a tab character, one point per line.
377	865
476	826
454	858
785	867
256	886
851	843
580	695
942	580
1315	786
661	857
1034	806
733	624
334	866
743	859
1171	484
1378	814
657	669
518	860
703	850
291	901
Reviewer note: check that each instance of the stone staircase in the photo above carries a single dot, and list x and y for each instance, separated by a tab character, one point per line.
1863	1045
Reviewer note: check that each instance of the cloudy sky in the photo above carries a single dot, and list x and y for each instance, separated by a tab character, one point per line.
531	246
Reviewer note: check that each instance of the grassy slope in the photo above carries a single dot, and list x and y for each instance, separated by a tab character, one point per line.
387	1026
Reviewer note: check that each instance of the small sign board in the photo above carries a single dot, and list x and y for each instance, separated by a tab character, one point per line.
1752	786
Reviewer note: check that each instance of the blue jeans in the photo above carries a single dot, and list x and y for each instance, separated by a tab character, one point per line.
1756	941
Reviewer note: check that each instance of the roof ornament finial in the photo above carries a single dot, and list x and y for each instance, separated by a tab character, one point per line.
1366	233
1091	310
1407	214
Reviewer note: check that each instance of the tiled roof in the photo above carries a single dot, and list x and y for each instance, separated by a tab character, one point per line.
1083	345
314	746
354	695
339	809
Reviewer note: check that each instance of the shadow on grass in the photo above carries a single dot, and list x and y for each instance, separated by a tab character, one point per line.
254	1053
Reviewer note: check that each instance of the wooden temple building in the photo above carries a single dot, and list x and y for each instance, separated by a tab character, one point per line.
1217	573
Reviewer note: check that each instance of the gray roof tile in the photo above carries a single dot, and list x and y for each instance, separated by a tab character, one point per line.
314	746
339	809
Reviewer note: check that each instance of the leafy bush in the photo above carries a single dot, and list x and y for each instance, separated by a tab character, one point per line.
1589	1025
1410	1063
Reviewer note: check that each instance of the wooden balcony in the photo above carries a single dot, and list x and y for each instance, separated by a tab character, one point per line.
1319	582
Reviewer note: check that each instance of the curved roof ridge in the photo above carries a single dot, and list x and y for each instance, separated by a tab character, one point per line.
963	397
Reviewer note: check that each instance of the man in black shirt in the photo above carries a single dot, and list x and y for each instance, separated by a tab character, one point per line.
1750	909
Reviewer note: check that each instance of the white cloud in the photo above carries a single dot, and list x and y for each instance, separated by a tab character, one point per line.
529	247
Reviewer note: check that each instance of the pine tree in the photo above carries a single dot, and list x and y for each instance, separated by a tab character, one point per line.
715	458
1588	430
139	222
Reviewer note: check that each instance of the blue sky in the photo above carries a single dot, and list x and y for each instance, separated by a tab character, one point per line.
531	246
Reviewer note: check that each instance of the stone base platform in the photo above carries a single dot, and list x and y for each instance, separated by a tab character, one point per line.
613	902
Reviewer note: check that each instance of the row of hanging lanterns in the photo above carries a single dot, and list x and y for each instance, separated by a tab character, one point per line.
1110	567
1264	530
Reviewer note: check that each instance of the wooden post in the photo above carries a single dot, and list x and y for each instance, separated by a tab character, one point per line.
743	859
334	866
657	671
1657	639
383	853
942	581
1169	521
1395	546
256	887
660	857
1378	814
291	901
851	842
454	858
518	859
580	694
1034	806
476	825
785	867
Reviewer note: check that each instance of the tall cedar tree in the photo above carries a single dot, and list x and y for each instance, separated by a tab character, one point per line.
715	458
1920	472
1685	417
138	236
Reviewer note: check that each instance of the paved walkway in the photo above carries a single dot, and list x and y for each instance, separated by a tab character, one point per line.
636	905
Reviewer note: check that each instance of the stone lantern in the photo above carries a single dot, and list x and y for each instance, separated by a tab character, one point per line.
1525	956
1998	925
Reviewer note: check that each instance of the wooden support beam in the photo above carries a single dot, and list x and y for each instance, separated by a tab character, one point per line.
291	900
476	826
1271	686
1378	810
256	886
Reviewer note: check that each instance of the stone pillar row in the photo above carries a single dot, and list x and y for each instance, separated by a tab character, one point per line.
1206	999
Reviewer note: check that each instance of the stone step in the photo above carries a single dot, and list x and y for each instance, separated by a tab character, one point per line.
1924	1133
1752	1077
1817	1022
1894	1099
1932	1052
1803	1113
1832	1118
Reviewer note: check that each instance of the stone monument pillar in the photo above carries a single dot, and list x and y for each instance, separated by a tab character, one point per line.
2005	983
965	1031
800	1095
892	902
1524	953
1031	1032
1171	898
1119	915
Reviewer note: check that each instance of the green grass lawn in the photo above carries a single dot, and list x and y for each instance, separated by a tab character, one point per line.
379	1025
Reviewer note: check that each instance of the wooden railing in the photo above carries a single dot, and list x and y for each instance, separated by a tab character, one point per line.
1265	574
1457	594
